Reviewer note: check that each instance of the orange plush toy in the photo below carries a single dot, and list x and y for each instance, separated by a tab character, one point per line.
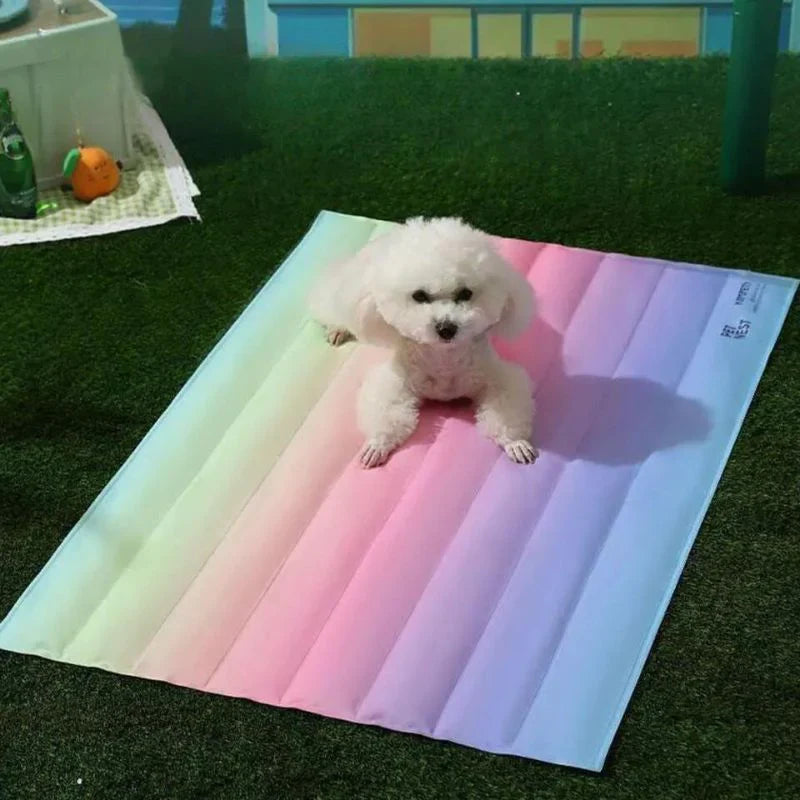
92	171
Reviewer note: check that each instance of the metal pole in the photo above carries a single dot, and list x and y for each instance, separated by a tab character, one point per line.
756	25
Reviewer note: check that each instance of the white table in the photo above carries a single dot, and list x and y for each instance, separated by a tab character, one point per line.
68	72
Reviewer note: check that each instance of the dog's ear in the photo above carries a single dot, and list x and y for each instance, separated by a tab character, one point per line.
520	305
370	326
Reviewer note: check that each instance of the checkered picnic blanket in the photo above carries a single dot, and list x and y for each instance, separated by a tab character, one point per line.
157	190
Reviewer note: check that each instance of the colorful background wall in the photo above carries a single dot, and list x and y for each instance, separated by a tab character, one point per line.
481	28
450	28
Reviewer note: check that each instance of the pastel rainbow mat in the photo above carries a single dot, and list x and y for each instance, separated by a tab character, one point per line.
451	593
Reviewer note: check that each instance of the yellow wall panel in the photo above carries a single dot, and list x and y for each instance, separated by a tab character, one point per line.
500	35
551	35
451	35
641	32
441	32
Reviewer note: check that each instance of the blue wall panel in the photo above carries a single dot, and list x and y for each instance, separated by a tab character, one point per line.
313	32
164	12
719	30
786	21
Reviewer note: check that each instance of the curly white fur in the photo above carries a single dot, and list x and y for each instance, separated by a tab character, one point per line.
432	291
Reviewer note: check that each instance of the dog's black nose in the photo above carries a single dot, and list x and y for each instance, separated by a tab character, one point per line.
446	330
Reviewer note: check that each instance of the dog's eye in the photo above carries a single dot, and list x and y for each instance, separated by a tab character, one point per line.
463	295
421	296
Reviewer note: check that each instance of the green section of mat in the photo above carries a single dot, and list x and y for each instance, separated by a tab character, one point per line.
98	335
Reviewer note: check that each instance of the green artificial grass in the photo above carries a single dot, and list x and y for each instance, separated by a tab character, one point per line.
97	336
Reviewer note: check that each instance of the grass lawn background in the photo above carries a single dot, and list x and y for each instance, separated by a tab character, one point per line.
97	336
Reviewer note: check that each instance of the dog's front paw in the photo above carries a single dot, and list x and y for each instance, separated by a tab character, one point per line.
338	336
373	455
521	452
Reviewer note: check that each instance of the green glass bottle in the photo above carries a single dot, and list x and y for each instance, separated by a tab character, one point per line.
18	194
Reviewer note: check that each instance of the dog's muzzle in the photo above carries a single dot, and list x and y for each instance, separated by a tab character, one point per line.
446	330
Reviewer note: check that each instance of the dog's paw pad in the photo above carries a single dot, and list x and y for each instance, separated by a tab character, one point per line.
372	455
521	452
338	336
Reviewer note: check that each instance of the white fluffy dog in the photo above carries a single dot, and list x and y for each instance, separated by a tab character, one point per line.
433	291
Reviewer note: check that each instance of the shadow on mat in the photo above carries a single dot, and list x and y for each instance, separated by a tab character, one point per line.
604	420
631	419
